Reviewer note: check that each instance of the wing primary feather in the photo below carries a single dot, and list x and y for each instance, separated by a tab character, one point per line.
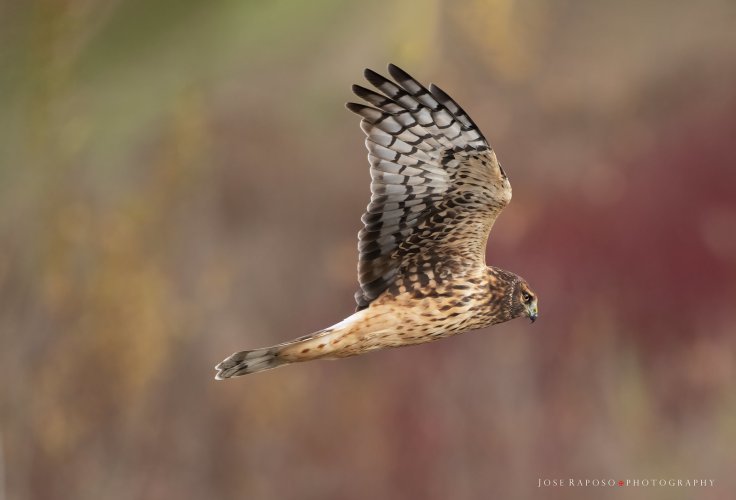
435	182
376	99
454	108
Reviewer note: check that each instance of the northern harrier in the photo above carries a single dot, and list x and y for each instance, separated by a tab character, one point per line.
437	189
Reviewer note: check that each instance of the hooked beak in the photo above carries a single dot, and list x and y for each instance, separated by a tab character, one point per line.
533	312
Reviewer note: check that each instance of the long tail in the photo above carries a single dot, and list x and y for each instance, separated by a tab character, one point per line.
324	344
302	349
245	362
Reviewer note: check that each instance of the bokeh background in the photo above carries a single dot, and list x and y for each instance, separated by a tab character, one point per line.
180	180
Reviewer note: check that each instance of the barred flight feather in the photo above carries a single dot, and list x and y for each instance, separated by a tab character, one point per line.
429	161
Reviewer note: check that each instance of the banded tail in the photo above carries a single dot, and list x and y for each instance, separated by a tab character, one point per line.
245	362
305	348
330	343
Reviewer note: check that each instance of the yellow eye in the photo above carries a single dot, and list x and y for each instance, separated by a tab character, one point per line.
527	298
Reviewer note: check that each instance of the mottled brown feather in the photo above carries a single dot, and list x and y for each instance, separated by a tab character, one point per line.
436	185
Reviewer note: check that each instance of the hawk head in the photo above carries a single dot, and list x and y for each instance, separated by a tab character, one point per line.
523	301
511	296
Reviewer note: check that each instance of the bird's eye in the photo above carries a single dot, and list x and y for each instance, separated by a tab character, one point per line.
527	298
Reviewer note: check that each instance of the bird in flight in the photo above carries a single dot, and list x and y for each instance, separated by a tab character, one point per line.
436	190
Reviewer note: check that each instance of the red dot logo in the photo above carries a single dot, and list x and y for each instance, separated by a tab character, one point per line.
620	483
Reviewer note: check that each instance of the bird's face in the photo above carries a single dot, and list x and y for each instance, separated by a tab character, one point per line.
525	301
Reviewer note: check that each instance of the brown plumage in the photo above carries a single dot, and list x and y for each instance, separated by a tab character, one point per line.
437	188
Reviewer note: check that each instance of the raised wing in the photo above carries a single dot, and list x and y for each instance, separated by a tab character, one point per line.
436	185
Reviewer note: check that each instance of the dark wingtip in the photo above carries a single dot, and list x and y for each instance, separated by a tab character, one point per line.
398	73
361	91
373	77
440	94
355	107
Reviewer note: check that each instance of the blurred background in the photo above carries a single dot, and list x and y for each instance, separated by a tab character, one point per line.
180	180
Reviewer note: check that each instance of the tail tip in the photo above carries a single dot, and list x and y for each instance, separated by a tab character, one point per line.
246	362
228	366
